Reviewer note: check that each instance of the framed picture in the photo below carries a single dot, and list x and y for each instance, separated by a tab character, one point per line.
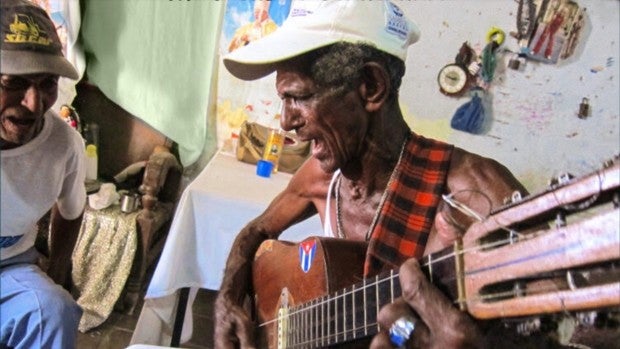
558	27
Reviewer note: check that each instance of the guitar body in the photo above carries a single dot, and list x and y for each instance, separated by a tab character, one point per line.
279	278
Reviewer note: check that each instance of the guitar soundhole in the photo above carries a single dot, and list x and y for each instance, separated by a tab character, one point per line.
558	280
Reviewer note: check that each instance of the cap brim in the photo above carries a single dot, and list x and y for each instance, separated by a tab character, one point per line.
28	62
259	58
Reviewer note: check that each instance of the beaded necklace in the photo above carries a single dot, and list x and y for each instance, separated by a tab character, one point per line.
339	226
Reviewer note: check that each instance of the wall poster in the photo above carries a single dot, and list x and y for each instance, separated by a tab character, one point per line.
237	100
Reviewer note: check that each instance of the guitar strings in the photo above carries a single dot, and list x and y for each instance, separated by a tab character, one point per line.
428	264
391	276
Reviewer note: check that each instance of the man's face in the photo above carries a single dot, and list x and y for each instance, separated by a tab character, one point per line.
24	100
336	124
261	10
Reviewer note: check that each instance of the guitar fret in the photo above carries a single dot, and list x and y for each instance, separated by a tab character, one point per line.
322	321
344	315
307	332
371	307
293	332
430	268
354	291
313	327
306	326
314	334
329	322
391	285
311	324
333	321
377	301
365	307
286	335
359	328
300	326
319	328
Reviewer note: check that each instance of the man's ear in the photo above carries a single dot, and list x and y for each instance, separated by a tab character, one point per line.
375	86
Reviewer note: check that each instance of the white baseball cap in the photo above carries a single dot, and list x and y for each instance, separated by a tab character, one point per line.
314	24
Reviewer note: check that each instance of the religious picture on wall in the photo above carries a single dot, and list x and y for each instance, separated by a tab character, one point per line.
558	28
260	26
256	101
67	27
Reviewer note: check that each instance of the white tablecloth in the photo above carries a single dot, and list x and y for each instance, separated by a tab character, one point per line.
224	197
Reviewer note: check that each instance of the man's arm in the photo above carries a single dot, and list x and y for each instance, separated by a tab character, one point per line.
294	204
482	184
439	324
63	235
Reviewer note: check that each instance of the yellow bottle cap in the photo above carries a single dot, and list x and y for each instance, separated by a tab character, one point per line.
91	150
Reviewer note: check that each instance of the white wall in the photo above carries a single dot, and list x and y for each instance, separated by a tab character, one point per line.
535	130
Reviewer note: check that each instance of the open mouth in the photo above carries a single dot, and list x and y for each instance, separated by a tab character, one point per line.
20	122
17	125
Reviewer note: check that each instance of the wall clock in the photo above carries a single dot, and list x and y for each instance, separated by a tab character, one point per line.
453	79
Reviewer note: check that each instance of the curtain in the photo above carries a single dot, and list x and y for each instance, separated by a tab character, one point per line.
155	59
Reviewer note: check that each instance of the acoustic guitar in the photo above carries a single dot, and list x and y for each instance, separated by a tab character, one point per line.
311	294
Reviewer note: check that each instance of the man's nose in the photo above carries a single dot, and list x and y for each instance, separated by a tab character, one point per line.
33	98
289	118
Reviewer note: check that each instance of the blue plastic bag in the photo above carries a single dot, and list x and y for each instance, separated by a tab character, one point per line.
470	116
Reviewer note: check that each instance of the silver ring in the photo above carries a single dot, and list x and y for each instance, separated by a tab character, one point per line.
401	330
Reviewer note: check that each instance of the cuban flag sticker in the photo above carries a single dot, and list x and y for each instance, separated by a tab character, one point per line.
307	249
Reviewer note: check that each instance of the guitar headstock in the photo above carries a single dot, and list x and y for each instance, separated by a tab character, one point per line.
554	251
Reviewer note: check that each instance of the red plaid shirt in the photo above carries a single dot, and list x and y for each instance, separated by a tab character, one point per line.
408	212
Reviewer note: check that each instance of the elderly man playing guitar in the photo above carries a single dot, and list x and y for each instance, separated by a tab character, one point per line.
372	180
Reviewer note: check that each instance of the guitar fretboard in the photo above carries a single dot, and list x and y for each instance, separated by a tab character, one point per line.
346	315
351	313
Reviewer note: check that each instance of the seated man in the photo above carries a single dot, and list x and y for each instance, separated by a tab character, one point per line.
339	68
42	169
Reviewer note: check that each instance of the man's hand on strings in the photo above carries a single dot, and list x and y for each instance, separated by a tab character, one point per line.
436	322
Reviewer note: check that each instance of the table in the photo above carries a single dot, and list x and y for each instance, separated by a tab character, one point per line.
214	207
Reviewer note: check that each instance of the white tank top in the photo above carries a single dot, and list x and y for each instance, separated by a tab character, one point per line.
327	224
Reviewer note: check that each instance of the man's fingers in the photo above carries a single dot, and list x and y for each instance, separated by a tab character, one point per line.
245	331
387	317
393	311
446	231
380	341
234	330
425	299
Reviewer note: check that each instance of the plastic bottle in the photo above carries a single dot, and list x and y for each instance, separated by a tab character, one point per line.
273	147
91	162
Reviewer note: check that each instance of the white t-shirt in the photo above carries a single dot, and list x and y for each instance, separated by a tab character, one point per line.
49	169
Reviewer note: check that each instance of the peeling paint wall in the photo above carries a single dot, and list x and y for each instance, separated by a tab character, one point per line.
534	128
